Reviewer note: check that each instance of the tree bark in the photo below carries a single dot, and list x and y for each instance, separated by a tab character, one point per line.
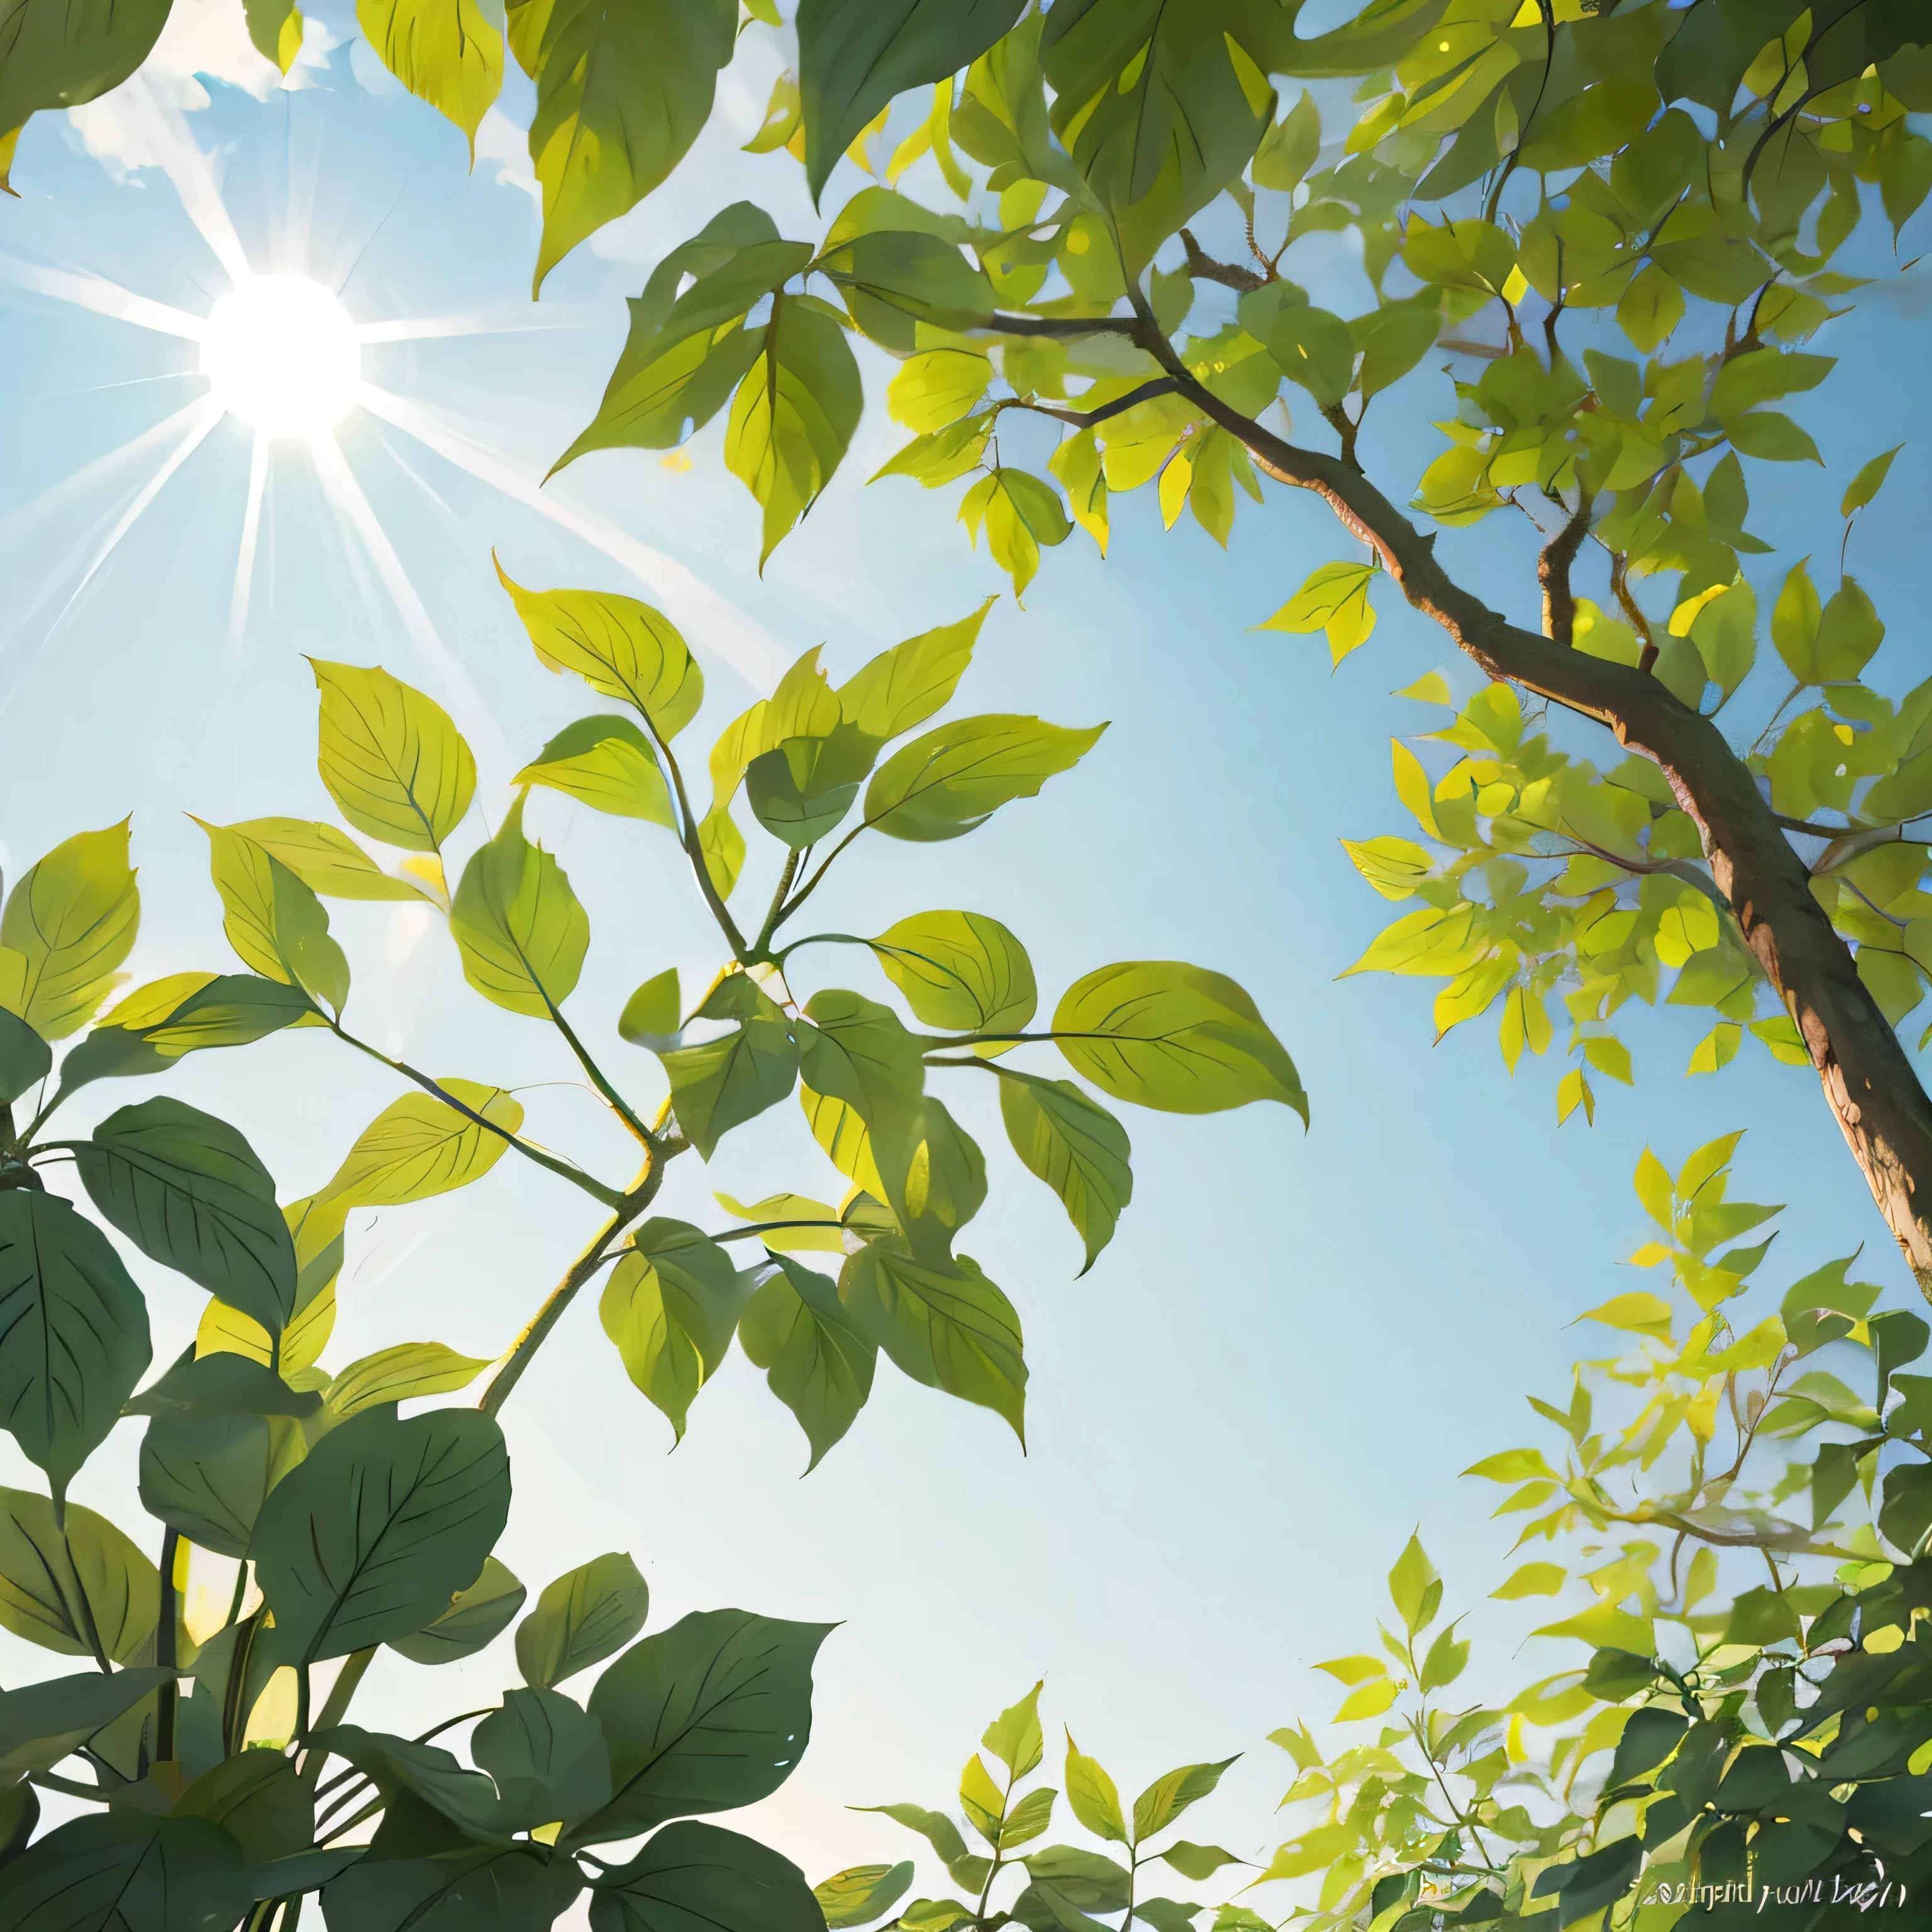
1869	1083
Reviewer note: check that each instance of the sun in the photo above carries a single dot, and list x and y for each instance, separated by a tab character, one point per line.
281	354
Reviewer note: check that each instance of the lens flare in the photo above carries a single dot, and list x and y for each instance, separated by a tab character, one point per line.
281	354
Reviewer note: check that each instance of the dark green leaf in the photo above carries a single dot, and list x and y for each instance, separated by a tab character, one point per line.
190	1192
854	55
475	1617
221	1384
25	1059
547	1755
505	1888
671	1306
722	1083
257	1798
41	1723
690	1875
209	1475
583	1618
712	1714
126	1869
155	1026
74	1332
373	1535
817	1362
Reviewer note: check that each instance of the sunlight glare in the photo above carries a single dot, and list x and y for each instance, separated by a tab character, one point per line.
281	354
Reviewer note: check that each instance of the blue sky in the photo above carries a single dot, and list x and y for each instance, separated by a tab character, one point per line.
1296	1342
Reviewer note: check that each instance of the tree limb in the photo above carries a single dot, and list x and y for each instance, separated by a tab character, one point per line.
1552	573
1160	385
1203	267
1869	1082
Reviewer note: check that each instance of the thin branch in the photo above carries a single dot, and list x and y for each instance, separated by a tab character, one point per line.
1065	327
567	1170
618	1103
1204	268
1159	385
1347	427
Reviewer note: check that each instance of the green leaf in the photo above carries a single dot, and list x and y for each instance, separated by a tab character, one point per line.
609	764
1794	624
1868	483
1173	1036
793	417
418	1146
376	1531
519	927
860	1894
546	1755
620	647
1311	346
721	1083
1288	150
905	686
1198	1862
1848	632
449	55
475	1617
396	766
588	1614
854	55
1414	1589
1447	1658
710	1714
74	1332
1090	1792
800	790
41	1723
1161	110
1074	1145
828	1233
59	56
496	1887
1760	375
1335	598
274	923
1166	1798
259	1800
653	1015
156	1025
327	861
399	1374
208	1475
275	27
63	1583
25	1059
896	281
1020	515
1015	1737
934	389
960	971
70	919
671	1306
125	1868
686	353
1724	631
622	93
937	1830
1772	437
191	1192
692	1875
1533	1579
817	1361
942	1322
952	780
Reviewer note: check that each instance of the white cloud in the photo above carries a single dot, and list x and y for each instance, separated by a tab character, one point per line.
203	41
501	140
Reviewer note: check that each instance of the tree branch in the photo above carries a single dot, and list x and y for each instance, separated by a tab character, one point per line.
1868	1080
1159	385
1552	573
1203	267
1065	327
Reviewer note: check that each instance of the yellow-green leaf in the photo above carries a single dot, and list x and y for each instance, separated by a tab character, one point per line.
396	1375
519	927
447	52
609	764
274	923
395	765
69	923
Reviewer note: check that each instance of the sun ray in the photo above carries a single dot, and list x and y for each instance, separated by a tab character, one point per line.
251	528
710	619
86	482
180	157
510	322
338	481
205	415
90	291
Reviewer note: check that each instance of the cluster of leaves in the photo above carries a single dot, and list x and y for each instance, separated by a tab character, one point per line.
1052	1888
332	1524
1732	1742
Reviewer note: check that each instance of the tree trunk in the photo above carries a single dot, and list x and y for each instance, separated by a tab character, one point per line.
1869	1083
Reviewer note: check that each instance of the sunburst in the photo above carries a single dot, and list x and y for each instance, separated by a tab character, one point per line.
282	353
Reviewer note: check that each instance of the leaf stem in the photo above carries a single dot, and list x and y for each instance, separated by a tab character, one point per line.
567	1170
693	843
355	1666
618	1103
785	878
625	1209
167	1696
